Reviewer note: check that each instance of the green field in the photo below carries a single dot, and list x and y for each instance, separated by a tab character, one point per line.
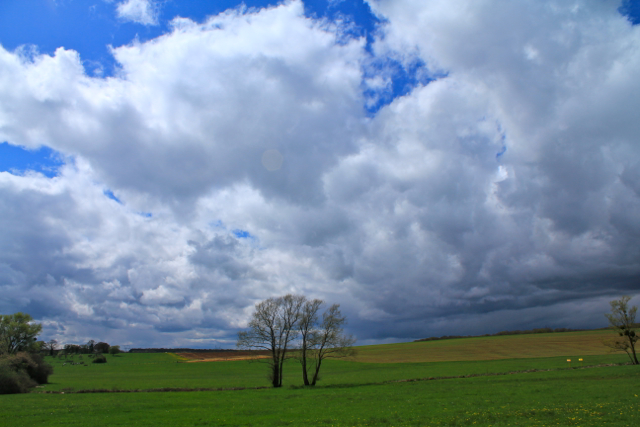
351	393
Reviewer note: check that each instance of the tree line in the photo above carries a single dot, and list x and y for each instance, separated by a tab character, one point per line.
22	365
294	326
90	347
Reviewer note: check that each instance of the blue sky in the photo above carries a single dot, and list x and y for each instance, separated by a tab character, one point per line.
90	27
436	167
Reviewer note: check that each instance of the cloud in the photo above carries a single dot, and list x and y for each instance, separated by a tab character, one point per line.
502	195
174	127
143	12
537	223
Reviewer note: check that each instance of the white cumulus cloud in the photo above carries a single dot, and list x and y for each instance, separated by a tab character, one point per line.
143	12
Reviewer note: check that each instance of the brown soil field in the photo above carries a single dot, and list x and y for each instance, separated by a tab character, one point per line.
221	356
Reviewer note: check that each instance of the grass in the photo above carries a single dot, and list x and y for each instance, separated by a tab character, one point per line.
350	393
152	371
576	397
162	370
585	343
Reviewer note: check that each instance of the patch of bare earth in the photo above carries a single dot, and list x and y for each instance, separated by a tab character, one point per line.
222	356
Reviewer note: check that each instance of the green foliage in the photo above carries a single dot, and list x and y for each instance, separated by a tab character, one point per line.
13	380
18	333
99	359
114	349
39	370
72	349
22	371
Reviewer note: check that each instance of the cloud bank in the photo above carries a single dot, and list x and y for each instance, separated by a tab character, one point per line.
504	194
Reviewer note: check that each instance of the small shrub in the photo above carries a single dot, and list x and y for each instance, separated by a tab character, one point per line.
114	349
99	358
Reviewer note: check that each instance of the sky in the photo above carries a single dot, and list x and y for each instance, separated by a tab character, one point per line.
435	167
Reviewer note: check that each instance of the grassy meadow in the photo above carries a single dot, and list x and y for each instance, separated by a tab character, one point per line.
535	390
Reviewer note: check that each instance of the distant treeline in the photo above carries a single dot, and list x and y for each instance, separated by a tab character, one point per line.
517	332
176	350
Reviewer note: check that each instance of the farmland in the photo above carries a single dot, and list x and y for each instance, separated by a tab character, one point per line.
583	343
540	390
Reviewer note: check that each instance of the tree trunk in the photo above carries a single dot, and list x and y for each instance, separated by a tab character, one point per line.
275	368
275	381
633	349
303	362
315	374
281	367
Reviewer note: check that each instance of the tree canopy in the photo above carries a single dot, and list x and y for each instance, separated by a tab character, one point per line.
18	332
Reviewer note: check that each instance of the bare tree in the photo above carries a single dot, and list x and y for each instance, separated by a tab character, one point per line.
51	346
273	328
308	333
622	320
321	340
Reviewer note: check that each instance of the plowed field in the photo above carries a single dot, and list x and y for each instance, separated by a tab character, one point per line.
220	356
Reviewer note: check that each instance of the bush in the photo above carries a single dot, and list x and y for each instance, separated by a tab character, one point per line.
99	359
14	381
40	370
114	349
22	371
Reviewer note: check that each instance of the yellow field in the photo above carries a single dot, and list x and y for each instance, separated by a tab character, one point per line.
489	348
